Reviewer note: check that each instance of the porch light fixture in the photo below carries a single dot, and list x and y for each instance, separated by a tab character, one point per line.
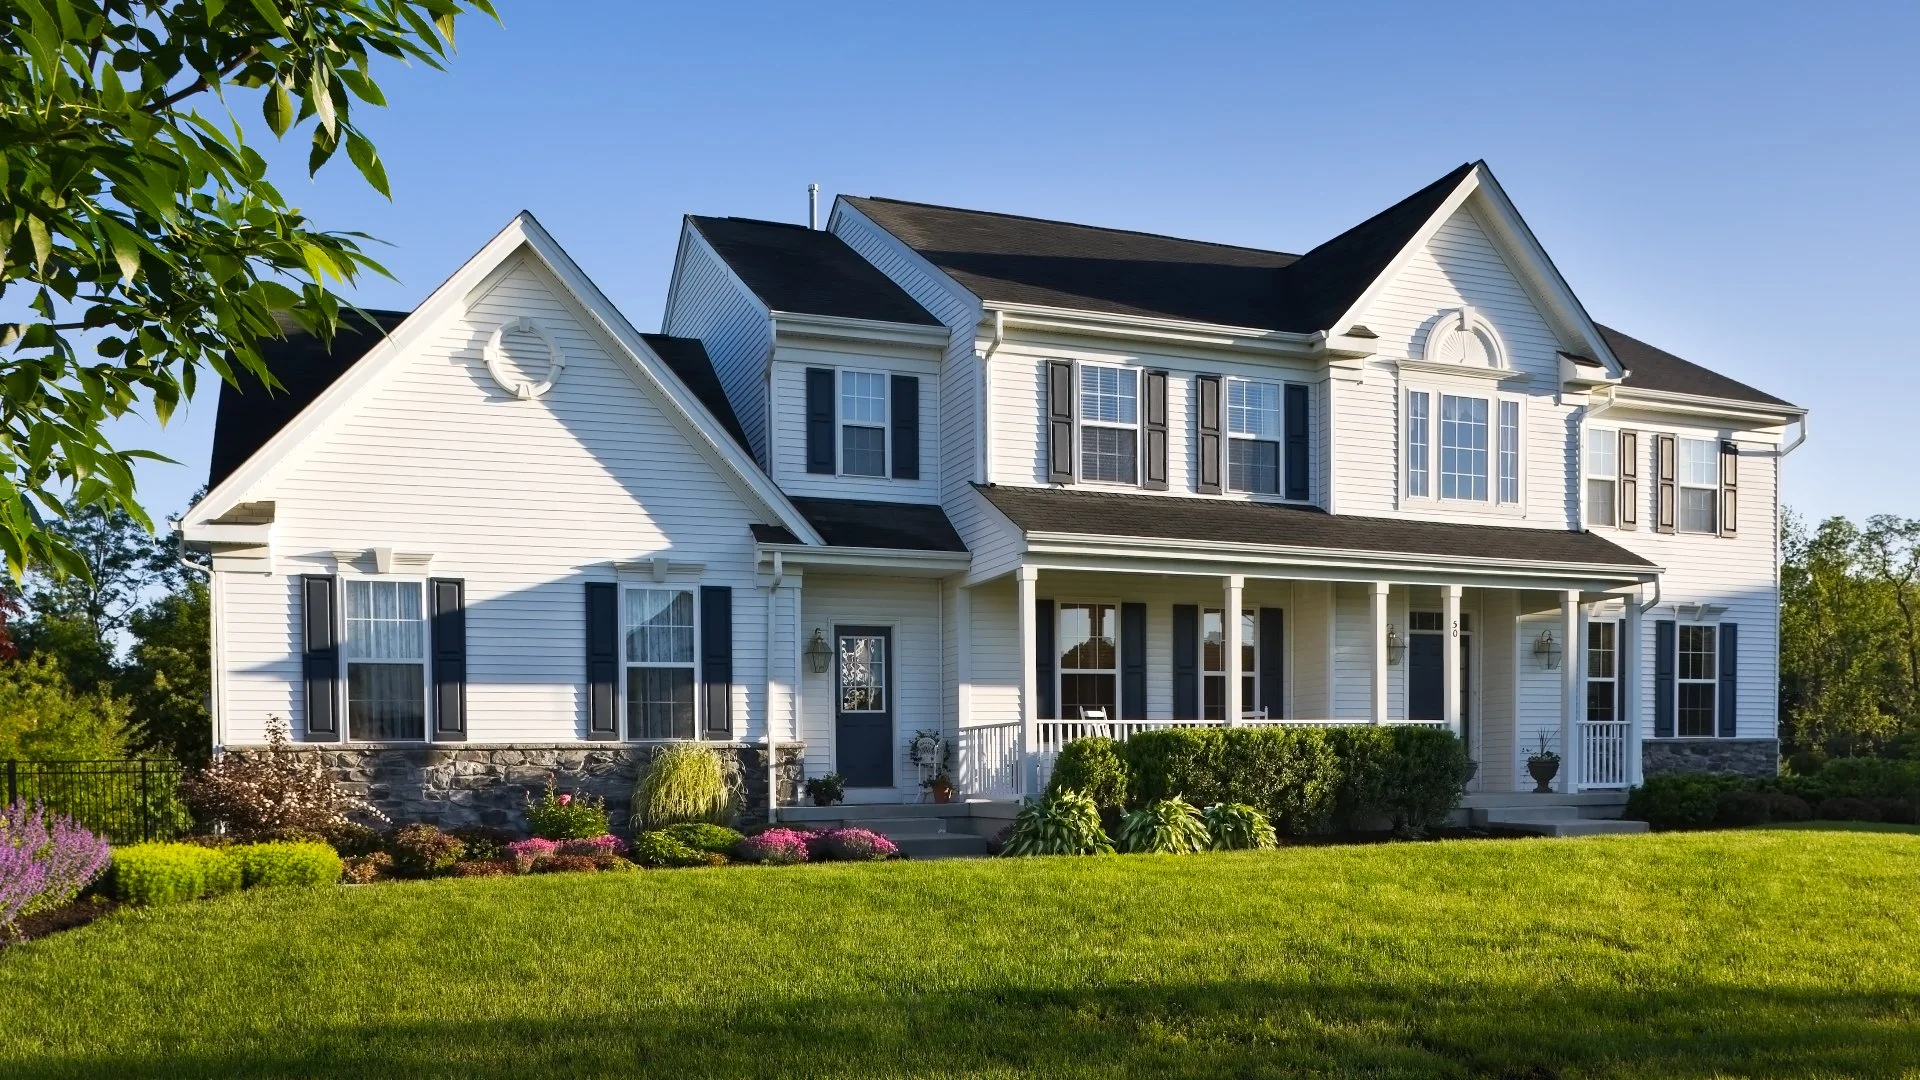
1547	651
817	653
1396	646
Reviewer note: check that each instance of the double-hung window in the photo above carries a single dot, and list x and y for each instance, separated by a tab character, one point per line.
1463	448
1699	486
1213	656
1089	659
1253	436
1603	476
1109	424
1419	410
1698	681
659	661
1603	673
863	423
386	660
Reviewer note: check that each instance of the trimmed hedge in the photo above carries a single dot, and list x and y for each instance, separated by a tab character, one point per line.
281	864
172	873
1093	767
1842	789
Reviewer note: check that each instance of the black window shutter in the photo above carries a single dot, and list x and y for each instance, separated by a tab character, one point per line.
1133	661
603	660
1044	659
1186	662
1271	658
1729	489
820	420
1059	422
1729	695
1664	454
1296	421
716	658
449	658
1208	477
1156	428
320	658
906	426
1629	458
1666	645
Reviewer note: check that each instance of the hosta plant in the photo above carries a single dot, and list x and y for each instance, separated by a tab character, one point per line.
1166	827
1239	827
1062	823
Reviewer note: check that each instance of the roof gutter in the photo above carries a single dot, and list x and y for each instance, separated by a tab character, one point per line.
1079	544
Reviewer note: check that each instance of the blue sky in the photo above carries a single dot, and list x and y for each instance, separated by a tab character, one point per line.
1733	183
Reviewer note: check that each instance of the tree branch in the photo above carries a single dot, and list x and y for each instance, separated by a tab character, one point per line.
203	83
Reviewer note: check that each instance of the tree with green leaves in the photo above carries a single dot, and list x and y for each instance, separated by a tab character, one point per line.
168	677
145	242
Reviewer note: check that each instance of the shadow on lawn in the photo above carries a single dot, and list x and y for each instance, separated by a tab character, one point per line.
1203	1030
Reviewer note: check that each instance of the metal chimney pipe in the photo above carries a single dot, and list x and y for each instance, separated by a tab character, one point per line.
813	206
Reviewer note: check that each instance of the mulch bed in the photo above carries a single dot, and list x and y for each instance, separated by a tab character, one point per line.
74	915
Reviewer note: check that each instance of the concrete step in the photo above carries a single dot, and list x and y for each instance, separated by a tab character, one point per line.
895	827
940	845
1572	827
1498	814
810	816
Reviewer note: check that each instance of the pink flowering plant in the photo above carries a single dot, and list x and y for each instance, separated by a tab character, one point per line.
775	847
528	853
850	845
559	815
608	844
43	865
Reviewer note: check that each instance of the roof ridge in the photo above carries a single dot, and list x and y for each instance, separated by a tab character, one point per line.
1072	224
756	221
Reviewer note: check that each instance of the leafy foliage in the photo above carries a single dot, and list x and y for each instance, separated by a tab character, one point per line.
272	793
774	847
850	845
1239	827
169	675
1681	800
271	865
172	873
704	836
660	849
423	850
1426	776
1061	823
685	782
1166	827
43	863
1093	767
558	815
826	790
43	717
366	869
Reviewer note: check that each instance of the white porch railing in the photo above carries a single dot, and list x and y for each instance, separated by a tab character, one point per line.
987	761
1603	754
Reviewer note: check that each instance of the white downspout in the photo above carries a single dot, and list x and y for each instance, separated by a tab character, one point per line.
773	760
985	385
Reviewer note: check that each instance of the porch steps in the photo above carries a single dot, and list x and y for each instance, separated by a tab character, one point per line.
919	830
1552	821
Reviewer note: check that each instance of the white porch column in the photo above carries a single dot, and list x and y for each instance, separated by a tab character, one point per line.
1379	714
1028	597
1230	631
1627	669
1572	648
1450	657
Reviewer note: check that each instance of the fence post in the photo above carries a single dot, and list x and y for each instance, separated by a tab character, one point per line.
13	781
146	815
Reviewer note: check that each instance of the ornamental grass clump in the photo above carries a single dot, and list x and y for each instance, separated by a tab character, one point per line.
1062	823
774	847
44	865
684	783
850	845
1169	826
1239	827
559	815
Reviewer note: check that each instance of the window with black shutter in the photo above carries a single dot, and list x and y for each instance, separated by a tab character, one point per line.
320	658
449	632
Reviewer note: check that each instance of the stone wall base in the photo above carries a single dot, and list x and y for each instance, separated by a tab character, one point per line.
1749	757
451	785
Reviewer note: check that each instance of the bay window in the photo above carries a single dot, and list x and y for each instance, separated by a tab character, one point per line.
1603	476
386	660
1418	404
1464	448
1699	485
1109	424
1089	659
659	657
1253	436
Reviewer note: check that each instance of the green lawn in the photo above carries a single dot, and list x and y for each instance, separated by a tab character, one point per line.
1788	952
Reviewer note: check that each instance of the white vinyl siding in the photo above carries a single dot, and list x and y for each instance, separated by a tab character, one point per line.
710	303
790	428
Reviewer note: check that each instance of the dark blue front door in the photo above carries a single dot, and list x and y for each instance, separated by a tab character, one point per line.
863	705
1426	679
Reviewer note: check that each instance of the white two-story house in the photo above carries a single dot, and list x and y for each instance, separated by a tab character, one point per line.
1004	479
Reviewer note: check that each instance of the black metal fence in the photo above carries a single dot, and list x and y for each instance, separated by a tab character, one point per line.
125	800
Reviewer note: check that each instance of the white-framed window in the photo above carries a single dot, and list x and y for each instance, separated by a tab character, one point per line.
1089	644
863	423
1253	436
659	658
1603	476
1109	424
1699	485
1213	662
1419	410
1509	451
1603	671
1698	683
386	657
1463	448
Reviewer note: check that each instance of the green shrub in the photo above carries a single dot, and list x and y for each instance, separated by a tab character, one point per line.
683	783
1173	761
1784	807
1742	808
171	873
1239	827
423	851
1093	768
560	815
1425	777
1682	800
1360	787
1289	774
704	836
482	843
1062	823
1857	778
272	865
1848	808
1899	811
1166	827
659	849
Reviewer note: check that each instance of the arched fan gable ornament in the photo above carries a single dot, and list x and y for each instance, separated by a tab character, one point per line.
496	357
1464	338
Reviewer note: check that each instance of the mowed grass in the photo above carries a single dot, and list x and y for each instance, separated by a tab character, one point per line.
1779	952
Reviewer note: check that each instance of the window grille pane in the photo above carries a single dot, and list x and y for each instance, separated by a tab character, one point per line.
1600	701
863	398
1253	409
1698	649
1087	637
1417	445
863	673
1213	705
1426	620
1696	711
1600	650
863	451
386	701
1108	395
384	620
1602	452
1697	510
1253	466
660	703
1700	462
1463	448
1509	451
659	626
1600	510
1213	641
1108	454
1087	691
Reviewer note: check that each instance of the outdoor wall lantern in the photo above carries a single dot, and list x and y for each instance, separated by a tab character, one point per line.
817	653
1547	651
1396	646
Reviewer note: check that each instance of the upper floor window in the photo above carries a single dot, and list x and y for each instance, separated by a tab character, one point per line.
1603	477
1109	424
386	660
1699	485
1509	451
1418	410
1463	448
1253	443
863	423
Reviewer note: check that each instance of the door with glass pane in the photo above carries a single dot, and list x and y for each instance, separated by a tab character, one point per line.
863	705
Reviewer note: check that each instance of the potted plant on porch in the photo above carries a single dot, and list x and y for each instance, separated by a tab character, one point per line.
1543	765
933	756
827	790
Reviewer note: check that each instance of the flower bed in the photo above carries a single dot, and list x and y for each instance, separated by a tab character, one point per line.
43	865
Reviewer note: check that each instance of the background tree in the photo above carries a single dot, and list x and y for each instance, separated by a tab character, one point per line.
139	223
168	680
78	620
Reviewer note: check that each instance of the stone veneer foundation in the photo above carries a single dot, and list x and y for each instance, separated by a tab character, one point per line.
452	784
1750	757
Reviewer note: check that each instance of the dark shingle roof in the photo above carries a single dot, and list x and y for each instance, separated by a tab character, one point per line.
688	359
1649	368
249	414
1101	513
867	524
807	271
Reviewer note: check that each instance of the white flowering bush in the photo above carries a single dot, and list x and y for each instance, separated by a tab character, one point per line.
276	794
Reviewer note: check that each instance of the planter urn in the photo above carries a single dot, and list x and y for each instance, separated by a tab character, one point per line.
1543	770
942	793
